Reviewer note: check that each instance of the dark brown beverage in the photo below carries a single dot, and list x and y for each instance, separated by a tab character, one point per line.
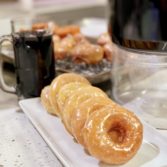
34	62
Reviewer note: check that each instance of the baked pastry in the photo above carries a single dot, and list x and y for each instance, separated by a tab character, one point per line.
63	31
108	51
40	26
45	100
82	113
58	83
78	97
66	92
62	47
87	52
108	131
49	26
113	134
104	39
105	42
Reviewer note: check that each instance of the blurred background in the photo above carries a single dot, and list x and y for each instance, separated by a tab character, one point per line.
61	11
90	15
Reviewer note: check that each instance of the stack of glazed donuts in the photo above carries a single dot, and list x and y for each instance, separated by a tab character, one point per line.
106	130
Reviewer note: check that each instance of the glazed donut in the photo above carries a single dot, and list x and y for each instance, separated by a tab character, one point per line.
58	83
63	47
81	114
66	91
108	131
45	100
113	134
78	97
86	52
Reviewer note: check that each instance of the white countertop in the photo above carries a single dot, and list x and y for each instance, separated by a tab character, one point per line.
20	143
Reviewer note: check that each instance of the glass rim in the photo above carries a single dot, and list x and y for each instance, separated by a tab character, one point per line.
143	52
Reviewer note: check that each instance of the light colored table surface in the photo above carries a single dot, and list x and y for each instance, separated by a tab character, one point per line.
20	143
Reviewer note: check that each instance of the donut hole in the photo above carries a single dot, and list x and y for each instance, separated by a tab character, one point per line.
117	133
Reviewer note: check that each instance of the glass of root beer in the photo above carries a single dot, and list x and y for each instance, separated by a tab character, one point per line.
33	57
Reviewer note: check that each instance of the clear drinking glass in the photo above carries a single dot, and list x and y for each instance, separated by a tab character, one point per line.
140	78
33	57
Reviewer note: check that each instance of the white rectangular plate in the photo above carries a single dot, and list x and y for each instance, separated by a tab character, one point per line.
152	153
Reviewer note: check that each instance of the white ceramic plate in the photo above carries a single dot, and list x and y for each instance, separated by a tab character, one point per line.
152	153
